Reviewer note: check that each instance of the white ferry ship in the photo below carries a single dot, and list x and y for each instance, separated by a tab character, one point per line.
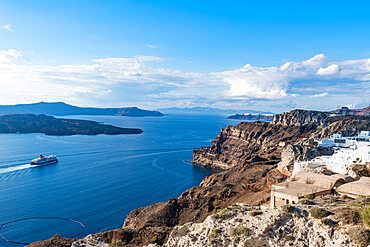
43	161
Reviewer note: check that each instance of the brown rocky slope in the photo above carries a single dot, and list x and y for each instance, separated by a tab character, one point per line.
249	153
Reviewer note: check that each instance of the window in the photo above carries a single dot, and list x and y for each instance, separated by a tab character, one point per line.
339	141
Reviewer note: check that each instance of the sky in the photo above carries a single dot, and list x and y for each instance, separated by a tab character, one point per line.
248	55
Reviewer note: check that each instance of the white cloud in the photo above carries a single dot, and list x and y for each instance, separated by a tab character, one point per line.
10	55
330	70
263	83
150	58
7	27
152	46
319	95
293	78
351	106
318	60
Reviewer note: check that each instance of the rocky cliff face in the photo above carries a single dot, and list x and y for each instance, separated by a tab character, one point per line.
260	141
301	118
246	142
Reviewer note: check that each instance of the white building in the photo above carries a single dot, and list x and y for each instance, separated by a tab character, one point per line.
337	140
350	151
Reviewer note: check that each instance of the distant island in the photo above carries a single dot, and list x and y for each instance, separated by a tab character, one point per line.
61	108
263	117
269	116
356	112
31	123
208	110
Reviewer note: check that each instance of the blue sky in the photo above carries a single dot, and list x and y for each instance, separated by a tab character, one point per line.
186	53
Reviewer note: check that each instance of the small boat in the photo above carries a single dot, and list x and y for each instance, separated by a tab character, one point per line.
43	161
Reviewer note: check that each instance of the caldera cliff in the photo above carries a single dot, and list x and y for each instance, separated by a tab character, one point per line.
249	153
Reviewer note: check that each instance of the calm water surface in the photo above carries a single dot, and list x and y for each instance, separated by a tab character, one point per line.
99	179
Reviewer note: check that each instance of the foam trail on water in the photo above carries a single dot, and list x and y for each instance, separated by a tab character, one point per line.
14	168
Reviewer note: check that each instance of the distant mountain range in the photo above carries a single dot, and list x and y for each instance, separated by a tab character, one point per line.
358	112
263	117
60	108
208	110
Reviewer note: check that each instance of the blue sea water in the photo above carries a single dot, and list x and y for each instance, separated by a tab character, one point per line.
99	179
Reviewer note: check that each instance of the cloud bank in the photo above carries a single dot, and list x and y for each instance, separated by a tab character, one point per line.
314	83
107	81
272	83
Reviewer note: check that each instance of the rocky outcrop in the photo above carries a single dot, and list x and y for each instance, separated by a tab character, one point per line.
242	225
57	240
305	151
90	241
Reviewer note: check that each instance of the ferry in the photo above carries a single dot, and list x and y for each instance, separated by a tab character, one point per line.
43	161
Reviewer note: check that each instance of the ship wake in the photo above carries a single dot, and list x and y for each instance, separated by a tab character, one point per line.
14	168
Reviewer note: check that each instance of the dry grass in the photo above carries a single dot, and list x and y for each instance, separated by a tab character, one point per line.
287	208
348	216
254	213
359	235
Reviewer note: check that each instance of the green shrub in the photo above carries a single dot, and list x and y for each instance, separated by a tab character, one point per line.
365	214
289	238
345	197
287	208
117	243
359	235
305	201
214	233
326	221
222	213
154	239
318	213
310	196
241	231
227	189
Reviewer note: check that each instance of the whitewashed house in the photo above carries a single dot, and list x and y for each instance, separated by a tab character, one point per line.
349	151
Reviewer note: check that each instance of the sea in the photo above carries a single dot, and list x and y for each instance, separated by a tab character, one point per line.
99	179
